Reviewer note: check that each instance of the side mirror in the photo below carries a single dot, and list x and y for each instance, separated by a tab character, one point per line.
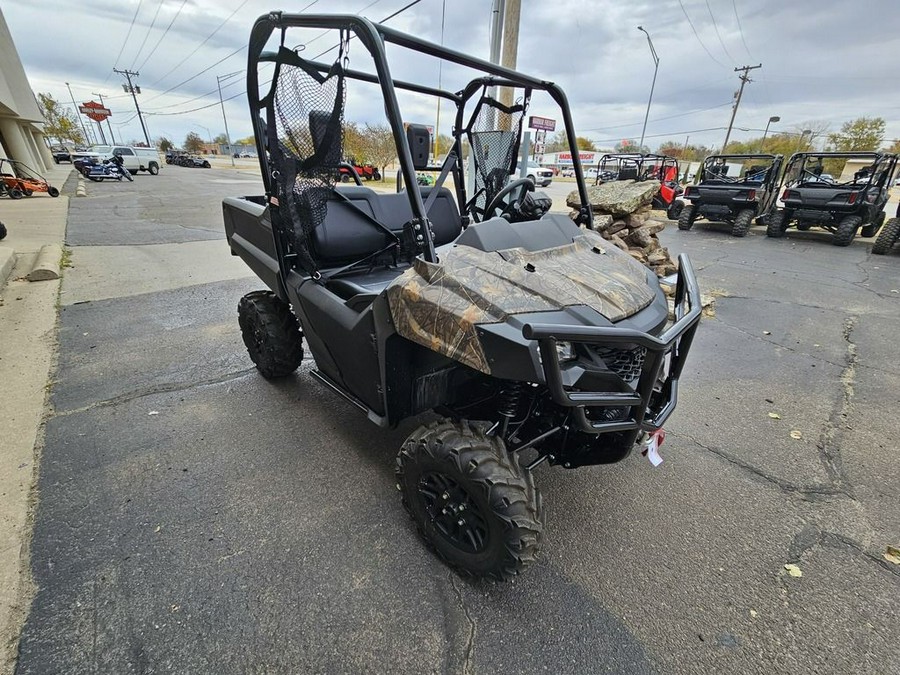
419	139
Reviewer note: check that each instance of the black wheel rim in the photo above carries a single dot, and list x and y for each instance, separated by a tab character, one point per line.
453	511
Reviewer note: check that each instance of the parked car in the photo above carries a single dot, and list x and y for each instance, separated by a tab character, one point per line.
60	154
539	175
135	158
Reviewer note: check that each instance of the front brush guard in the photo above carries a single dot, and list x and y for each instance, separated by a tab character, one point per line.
646	412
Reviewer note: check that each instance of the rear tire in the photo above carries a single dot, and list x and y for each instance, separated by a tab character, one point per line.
872	228
153	168
674	210
846	231
15	193
888	237
206	165
686	217
271	334
471	500
778	224
742	223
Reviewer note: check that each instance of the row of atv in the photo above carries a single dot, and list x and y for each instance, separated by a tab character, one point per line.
742	189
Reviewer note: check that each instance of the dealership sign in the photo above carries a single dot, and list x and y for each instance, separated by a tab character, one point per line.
542	123
585	157
96	111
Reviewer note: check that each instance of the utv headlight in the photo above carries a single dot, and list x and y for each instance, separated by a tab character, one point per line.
565	351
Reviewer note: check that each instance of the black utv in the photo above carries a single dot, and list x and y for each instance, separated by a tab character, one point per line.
636	166
523	336
853	202
734	189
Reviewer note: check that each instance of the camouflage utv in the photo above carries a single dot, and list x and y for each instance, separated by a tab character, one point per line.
532	339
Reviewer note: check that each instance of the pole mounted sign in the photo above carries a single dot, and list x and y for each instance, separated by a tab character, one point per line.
541	123
96	111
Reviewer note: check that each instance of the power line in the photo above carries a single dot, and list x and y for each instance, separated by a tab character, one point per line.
658	119
326	32
696	35
194	77
162	37
718	35
147	34
125	41
384	20
740	28
197	48
670	133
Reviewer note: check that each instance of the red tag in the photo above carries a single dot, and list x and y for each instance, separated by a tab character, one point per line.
274	201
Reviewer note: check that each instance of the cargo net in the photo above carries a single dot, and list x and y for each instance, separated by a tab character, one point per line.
494	132
305	139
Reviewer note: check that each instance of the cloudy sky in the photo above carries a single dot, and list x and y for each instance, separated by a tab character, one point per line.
824	61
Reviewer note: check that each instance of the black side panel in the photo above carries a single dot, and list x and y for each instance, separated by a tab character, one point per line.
498	234
249	233
342	342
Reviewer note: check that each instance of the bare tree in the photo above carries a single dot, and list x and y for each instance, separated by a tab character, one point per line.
380	147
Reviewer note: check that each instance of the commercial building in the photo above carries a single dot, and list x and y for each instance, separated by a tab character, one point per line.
21	122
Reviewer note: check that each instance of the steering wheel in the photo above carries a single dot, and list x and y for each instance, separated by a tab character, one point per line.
524	184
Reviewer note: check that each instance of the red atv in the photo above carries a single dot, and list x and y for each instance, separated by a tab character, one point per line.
637	166
364	171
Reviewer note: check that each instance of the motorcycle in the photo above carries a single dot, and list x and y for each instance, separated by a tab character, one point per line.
112	168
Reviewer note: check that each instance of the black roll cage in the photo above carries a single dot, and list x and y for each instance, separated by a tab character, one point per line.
877	158
373	36
775	161
637	159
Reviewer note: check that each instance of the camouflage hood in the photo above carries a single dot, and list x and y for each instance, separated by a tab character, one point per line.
439	305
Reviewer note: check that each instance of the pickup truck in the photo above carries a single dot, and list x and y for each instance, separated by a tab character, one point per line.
135	159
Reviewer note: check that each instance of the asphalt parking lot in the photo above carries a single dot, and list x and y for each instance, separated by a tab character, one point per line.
194	517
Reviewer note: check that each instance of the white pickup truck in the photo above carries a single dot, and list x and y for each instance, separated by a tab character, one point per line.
135	159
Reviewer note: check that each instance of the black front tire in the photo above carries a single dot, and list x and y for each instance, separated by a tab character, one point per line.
153	168
742	223
846	231
889	235
778	224
15	193
687	217
206	165
271	334
472	502
2	231
53	192
872	228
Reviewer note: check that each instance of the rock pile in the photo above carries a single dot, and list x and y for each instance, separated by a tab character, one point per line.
622	215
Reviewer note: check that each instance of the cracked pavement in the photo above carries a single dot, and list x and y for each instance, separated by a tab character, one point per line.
193	517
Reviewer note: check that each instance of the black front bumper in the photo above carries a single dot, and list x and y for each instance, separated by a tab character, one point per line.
652	398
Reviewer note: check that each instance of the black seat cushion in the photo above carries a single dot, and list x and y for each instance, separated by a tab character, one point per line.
346	234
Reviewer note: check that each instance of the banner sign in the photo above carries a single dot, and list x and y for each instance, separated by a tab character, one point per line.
542	123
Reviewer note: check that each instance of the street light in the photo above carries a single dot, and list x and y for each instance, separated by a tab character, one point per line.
774	118
652	86
87	139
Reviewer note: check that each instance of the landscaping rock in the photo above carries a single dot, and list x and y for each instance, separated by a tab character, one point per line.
619	198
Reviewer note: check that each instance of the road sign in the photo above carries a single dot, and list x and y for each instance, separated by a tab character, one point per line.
96	111
542	123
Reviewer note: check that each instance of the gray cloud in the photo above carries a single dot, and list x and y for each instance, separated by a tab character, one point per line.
829	60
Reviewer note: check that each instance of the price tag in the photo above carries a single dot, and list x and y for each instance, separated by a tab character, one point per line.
651	447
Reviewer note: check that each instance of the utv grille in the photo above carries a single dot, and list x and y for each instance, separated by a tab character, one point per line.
626	363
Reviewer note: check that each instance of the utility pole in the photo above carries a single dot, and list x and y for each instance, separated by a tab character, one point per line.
219	79
134	91
108	125
77	112
652	86
510	51
737	101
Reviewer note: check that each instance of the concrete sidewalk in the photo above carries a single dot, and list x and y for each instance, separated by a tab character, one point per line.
28	339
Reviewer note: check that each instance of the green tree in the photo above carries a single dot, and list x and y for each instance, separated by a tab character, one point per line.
221	139
59	122
193	142
861	134
164	144
250	140
585	144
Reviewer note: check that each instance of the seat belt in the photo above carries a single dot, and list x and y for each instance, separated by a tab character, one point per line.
449	161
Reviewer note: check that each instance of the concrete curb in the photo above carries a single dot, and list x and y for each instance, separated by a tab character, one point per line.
81	190
47	264
7	263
